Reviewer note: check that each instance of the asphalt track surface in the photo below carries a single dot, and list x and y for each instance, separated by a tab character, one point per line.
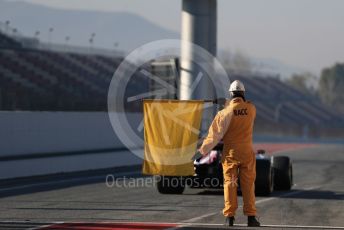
316	200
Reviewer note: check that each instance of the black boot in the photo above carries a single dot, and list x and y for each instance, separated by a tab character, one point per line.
230	220
252	221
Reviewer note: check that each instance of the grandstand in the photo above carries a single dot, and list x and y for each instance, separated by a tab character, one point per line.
45	80
285	110
33	79
7	42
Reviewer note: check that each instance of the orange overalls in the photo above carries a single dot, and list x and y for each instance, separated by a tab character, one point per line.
234	125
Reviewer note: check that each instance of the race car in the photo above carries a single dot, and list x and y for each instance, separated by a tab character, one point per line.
272	173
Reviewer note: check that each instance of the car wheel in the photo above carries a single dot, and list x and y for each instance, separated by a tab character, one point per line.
283	171
264	178
170	185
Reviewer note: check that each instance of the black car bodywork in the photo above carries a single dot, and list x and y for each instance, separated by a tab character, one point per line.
272	173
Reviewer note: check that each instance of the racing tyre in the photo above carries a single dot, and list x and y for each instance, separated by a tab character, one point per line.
170	185
264	178
283	172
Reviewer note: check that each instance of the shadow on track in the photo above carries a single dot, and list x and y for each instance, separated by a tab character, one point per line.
316	195
22	186
101	209
295	194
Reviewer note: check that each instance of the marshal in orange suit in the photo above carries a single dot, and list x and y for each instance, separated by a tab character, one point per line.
234	125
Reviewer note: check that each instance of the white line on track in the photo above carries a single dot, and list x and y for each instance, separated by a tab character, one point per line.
287	194
188	222
182	224
198	218
264	225
46	225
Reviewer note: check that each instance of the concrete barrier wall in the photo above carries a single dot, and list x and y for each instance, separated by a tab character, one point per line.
42	143
49	132
66	164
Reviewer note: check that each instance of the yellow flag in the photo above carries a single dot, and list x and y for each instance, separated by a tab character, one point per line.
171	132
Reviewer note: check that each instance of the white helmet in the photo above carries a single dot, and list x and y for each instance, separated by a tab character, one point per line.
237	86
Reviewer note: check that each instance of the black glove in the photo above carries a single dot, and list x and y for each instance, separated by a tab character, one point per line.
197	156
220	101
